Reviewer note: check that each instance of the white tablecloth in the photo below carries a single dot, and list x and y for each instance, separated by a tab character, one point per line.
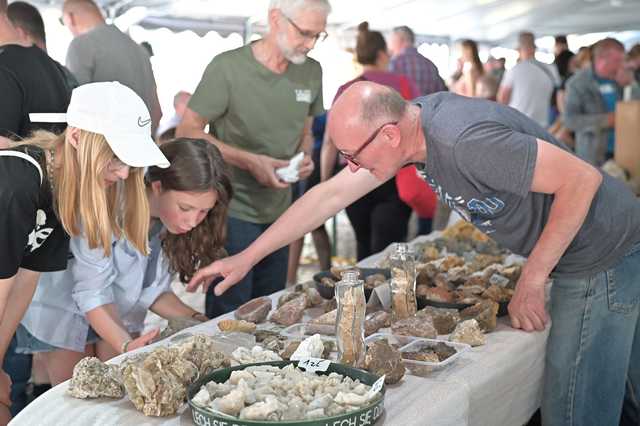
496	384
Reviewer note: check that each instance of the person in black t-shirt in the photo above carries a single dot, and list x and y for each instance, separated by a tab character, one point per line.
55	185
30	81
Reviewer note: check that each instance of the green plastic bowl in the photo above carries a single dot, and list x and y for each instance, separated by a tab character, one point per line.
367	415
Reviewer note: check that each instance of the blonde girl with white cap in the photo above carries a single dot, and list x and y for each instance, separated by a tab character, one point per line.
88	180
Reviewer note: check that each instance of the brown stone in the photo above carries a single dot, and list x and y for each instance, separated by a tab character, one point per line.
375	321
484	312
415	326
444	320
439	294
291	312
255	310
236	325
468	332
382	358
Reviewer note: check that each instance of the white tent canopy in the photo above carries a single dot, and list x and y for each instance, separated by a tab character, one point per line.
491	21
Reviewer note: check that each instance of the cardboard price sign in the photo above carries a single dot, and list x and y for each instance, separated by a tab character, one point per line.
314	364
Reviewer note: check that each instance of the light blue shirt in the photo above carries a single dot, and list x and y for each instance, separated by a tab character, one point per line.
127	279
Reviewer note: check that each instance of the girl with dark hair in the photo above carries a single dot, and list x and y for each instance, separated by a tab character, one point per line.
98	305
380	217
472	70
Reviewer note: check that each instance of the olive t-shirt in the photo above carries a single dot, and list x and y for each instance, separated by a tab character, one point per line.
480	161
256	110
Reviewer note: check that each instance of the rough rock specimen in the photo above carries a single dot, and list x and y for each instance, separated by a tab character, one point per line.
444	320
291	312
93	378
330	305
439	294
375	321
418	326
424	355
498	294
326	319
311	347
287	297
313	297
484	313
381	358
255	310
157	382
468	332
289	349
176	325
236	325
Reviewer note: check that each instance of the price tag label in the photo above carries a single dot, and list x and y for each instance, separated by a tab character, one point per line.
314	364
376	387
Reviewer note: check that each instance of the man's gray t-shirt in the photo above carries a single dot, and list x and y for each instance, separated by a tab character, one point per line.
480	161
107	54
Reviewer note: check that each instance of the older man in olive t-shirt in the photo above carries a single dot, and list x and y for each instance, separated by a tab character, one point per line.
260	101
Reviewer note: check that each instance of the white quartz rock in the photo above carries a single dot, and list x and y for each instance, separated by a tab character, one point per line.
311	347
261	410
202	398
231	404
350	399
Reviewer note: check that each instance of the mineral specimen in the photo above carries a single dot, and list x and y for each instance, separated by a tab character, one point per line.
468	332
443	351
244	355
438	294
350	323
311	347
444	320
236	325
382	358
484	313
418	326
176	325
375	321
157	382
255	310
498	294
94	379
326	319
291	312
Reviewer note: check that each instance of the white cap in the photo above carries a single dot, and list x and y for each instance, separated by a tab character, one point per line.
116	112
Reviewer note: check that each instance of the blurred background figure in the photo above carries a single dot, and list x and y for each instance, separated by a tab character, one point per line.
101	52
28	23
406	60
471	69
495	68
562	56
319	235
530	84
591	97
380	217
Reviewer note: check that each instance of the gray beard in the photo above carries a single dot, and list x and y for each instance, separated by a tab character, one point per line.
289	53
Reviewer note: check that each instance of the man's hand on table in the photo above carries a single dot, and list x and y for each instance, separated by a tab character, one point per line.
306	167
527	307
232	269
263	168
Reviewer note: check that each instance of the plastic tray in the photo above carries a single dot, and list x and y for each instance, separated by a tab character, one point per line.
420	368
393	339
303	330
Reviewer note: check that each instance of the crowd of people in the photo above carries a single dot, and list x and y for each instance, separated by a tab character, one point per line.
100	206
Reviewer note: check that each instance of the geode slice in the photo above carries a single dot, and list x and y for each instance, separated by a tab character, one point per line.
468	332
484	312
444	320
415	326
291	312
381	358
255	310
93	378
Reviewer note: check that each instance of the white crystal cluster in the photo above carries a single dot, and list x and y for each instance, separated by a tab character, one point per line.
256	354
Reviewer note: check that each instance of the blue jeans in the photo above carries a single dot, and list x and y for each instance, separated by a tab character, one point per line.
18	367
268	276
593	352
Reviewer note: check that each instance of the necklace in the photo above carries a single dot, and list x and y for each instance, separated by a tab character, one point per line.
50	167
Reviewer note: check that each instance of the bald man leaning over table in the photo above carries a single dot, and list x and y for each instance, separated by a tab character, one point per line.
504	173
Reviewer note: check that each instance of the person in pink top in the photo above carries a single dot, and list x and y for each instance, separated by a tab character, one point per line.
380	217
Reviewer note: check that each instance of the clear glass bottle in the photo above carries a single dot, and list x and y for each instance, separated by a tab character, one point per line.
350	320
403	282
